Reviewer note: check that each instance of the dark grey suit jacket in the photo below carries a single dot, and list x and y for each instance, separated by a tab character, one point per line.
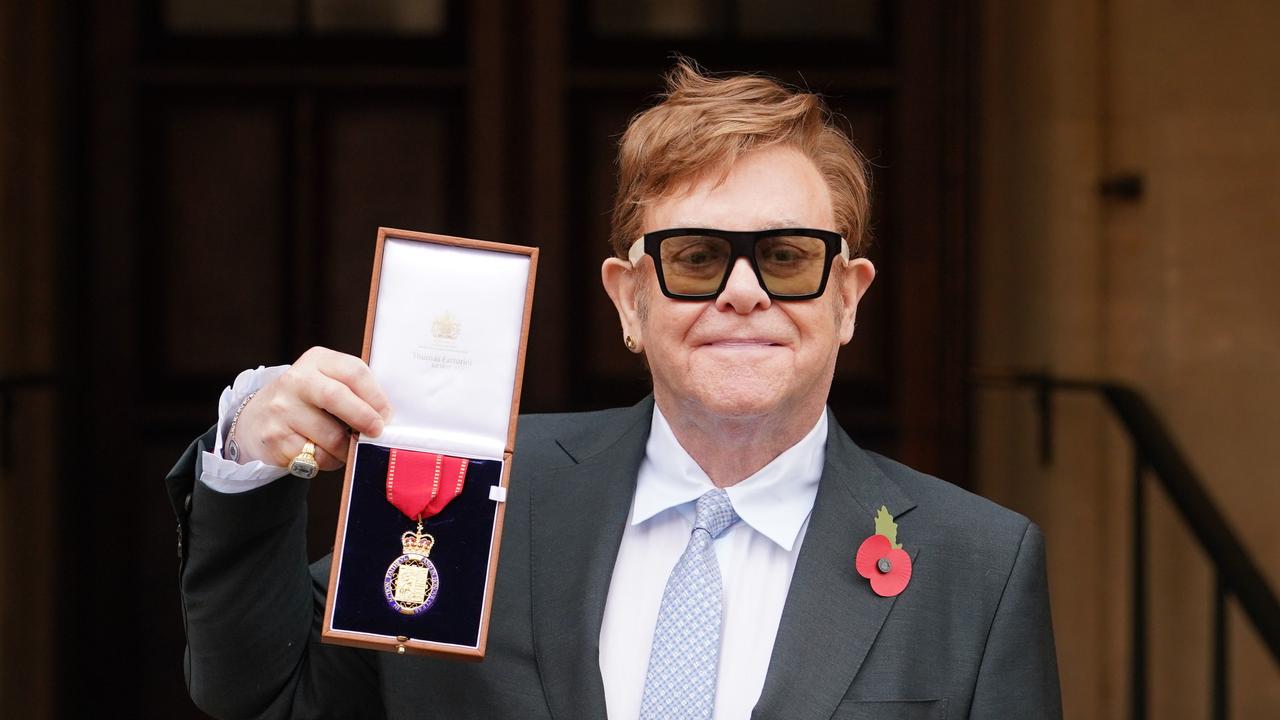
969	637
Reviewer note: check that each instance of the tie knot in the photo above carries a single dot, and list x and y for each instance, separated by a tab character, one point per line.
715	513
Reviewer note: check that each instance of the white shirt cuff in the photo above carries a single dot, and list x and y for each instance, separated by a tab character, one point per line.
227	476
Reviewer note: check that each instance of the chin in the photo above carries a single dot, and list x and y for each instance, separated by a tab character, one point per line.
741	395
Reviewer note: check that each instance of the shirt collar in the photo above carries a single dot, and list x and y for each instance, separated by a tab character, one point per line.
775	501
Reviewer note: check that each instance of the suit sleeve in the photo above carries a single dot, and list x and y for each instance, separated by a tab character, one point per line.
252	608
1018	676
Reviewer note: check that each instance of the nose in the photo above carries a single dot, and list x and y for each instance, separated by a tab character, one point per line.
743	293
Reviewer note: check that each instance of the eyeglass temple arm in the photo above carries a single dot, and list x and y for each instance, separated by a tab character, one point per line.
636	251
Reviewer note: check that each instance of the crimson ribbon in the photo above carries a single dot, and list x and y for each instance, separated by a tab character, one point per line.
421	484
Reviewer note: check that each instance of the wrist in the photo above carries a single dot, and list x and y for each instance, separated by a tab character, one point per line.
231	449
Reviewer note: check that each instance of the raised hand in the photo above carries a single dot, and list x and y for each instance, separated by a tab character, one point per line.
322	398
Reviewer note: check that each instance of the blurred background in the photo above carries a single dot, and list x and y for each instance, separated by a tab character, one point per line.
1077	231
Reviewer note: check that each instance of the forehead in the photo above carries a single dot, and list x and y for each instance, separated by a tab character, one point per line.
775	187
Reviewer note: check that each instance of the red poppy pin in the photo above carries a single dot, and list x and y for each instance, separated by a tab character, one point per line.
882	560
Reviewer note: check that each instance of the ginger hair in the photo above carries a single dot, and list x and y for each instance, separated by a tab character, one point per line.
703	123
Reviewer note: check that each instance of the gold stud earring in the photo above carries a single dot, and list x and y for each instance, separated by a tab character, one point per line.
631	344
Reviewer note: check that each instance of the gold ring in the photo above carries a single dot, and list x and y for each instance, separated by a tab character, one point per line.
304	464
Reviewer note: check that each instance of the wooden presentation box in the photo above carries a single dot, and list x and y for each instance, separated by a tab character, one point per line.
445	336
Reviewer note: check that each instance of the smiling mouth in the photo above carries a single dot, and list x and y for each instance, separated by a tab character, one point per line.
742	343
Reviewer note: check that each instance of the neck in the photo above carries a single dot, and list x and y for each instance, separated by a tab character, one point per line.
732	449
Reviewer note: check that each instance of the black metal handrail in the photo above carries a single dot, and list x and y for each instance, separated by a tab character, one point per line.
1156	454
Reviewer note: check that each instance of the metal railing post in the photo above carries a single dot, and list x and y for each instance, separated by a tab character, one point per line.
1138	656
1219	663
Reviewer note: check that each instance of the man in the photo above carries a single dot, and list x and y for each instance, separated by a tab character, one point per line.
692	556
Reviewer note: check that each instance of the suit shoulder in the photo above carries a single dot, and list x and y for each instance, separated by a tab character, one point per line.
563	438
963	519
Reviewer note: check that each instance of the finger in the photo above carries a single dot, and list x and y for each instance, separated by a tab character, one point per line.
322	429
356	375
337	399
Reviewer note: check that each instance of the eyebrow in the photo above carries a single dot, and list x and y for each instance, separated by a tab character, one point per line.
772	225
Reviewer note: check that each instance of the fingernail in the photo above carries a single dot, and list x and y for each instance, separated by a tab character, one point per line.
377	428
387	412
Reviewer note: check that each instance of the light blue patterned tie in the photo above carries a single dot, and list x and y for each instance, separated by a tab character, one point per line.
681	682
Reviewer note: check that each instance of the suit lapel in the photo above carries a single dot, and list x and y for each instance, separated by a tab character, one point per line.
807	675
577	516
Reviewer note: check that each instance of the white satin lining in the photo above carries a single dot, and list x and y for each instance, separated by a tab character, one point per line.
446	340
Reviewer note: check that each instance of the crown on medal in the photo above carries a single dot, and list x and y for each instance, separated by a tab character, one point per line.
445	327
417	543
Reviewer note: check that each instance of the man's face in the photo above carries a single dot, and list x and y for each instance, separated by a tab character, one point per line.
741	355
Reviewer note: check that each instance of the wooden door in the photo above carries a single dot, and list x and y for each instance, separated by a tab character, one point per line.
238	158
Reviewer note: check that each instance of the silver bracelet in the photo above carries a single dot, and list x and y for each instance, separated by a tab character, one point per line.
231	450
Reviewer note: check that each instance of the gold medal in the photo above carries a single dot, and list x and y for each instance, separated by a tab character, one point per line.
412	583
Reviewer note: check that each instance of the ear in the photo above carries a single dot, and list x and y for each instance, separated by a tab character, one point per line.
620	281
857	276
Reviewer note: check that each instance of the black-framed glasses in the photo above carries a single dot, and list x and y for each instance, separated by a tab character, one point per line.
695	263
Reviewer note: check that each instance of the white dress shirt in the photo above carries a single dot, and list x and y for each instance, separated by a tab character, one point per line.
757	555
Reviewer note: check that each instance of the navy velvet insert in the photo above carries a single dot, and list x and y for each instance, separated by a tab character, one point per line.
462	531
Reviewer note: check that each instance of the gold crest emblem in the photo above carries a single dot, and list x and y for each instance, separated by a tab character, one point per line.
445	327
412	581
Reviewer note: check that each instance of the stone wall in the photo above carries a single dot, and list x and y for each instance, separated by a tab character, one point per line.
1174	293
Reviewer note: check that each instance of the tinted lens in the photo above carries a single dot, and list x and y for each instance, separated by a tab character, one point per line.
694	264
791	264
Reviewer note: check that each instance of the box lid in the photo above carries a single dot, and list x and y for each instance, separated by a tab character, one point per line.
447	340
